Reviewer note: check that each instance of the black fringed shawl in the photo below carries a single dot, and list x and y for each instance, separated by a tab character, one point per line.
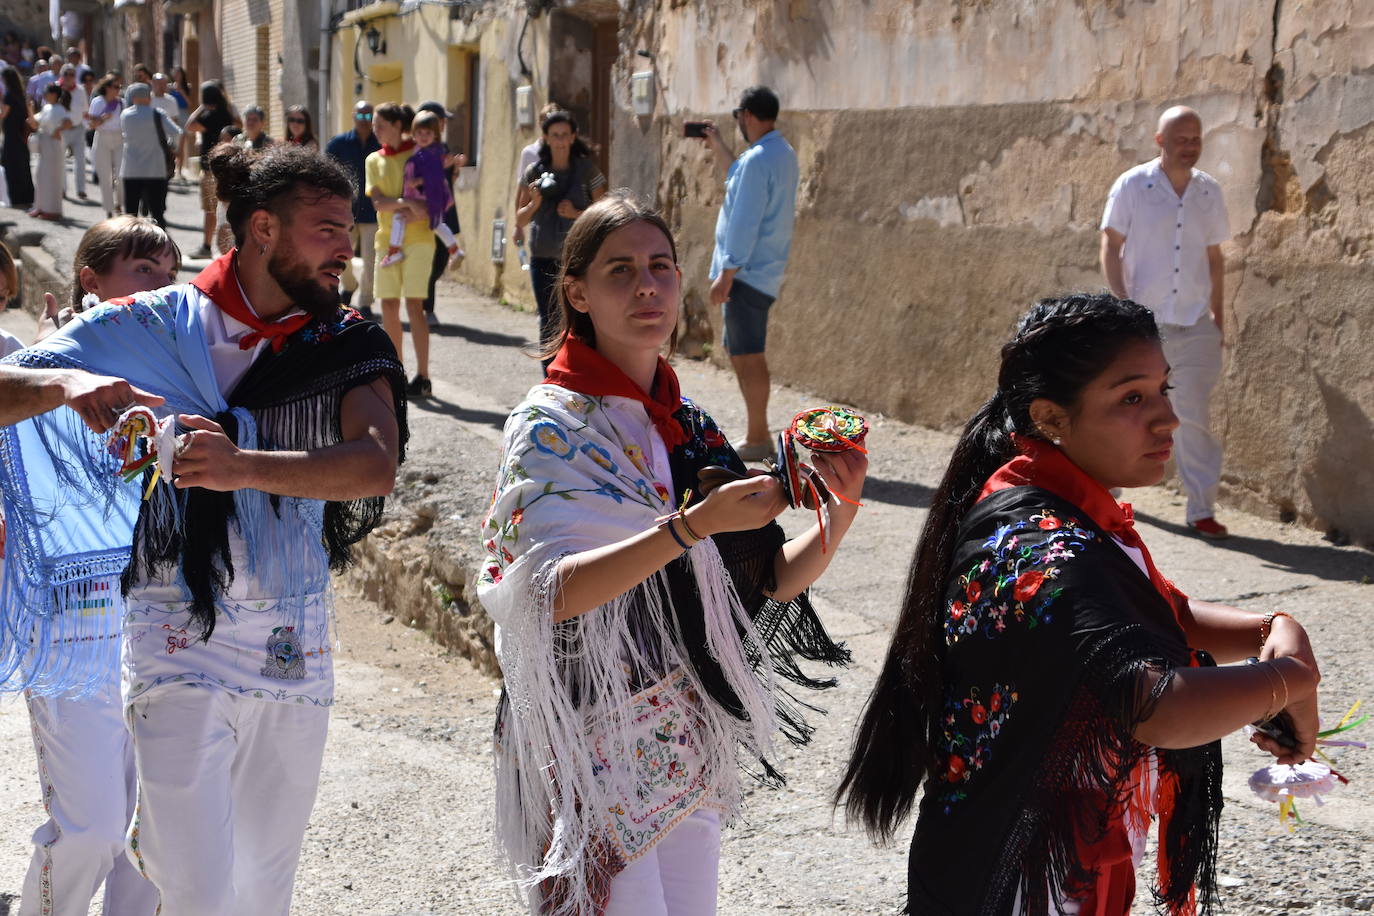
790	629
1050	628
295	396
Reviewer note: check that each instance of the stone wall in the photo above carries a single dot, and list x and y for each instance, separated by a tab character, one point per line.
955	160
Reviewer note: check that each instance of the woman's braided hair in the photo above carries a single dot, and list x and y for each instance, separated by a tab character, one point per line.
1060	345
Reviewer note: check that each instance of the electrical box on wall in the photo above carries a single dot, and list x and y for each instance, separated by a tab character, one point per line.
498	241
524	106
642	93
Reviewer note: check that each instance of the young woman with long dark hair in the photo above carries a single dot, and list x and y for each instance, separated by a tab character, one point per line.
640	624
1051	689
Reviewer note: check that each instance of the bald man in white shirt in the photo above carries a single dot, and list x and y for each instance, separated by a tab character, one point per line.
1162	231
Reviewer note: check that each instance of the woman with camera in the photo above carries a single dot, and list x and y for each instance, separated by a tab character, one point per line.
557	188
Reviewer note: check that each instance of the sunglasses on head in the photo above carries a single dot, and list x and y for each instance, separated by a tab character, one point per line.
363	116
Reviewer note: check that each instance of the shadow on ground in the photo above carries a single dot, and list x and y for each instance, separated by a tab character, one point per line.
1333	563
898	492
465	414
474	335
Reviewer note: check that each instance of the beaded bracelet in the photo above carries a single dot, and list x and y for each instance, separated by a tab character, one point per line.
1267	625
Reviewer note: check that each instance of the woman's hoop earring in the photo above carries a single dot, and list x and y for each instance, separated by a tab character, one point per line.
262	249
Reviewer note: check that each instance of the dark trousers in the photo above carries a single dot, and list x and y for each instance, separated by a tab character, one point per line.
436	270
543	275
146	195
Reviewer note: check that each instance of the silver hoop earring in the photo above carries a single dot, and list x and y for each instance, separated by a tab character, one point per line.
262	249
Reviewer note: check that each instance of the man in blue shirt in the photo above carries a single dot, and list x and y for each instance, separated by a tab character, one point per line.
352	149
753	237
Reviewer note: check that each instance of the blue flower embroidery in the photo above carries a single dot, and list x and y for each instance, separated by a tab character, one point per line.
548	437
600	456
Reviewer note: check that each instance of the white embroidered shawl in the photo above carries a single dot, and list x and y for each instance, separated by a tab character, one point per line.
569	481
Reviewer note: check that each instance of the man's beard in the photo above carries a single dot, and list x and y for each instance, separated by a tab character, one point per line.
299	283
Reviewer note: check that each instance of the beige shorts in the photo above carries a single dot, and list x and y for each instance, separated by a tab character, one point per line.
408	279
207	192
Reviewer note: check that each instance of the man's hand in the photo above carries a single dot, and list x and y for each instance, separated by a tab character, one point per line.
206	457
100	399
720	287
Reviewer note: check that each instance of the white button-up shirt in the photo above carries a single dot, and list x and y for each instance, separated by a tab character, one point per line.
1164	260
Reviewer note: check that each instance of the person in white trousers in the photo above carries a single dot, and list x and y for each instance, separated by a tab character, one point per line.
83	746
75	140
1162	231
108	148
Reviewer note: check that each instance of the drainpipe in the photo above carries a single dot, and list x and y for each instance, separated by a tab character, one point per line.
326	63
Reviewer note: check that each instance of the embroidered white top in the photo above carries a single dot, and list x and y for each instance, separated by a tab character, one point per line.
255	650
1164	260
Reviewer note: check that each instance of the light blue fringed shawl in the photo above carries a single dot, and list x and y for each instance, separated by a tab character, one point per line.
71	518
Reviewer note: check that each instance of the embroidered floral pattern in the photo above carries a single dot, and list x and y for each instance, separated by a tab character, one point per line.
667	775
574	444
1016	584
971	725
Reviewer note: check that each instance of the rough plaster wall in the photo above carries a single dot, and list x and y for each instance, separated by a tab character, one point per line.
955	159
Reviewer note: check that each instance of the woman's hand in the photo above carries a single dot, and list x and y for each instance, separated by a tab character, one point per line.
536	199
1300	681
844	473
567	210
1288	639
52	318
741	505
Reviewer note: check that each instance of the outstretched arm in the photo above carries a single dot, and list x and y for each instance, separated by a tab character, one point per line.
99	399
362	465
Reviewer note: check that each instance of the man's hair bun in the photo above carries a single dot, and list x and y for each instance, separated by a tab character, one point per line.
232	166
274	179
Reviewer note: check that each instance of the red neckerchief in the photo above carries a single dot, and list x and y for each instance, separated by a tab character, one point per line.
580	368
393	150
1042	465
219	283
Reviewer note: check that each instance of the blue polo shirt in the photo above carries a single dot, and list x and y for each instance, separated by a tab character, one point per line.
353	153
754	229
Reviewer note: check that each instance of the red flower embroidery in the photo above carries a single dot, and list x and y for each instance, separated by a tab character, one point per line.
1027	584
495	573
1049	523
955	770
517	516
662	491
956	610
714	438
974	590
995	702
978	713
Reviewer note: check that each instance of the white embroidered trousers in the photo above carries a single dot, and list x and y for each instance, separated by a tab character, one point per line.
75	140
1194	354
677	877
226	784
107	152
86	770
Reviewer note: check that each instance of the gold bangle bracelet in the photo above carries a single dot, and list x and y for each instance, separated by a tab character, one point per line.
1269	711
1284	681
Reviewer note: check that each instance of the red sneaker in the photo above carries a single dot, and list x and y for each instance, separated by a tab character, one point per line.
1210	528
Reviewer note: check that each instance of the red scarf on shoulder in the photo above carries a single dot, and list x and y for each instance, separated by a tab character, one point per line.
579	367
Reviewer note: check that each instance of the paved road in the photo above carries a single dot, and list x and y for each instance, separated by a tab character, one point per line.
402	824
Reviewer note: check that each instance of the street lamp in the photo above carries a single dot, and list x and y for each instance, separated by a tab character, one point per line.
374	41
